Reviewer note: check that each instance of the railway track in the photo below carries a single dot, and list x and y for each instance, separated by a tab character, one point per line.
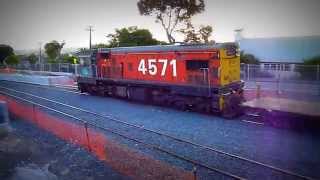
202	156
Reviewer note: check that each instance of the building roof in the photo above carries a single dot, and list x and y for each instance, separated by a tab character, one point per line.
282	49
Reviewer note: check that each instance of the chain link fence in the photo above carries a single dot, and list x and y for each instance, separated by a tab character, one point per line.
280	72
249	72
283	80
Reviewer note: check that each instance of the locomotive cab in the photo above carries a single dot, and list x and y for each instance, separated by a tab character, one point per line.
103	62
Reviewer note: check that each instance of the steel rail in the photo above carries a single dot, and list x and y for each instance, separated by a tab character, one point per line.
171	137
148	145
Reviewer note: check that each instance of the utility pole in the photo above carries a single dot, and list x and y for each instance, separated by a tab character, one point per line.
40	47
90	29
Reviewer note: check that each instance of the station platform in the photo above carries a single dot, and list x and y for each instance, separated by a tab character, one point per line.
285	113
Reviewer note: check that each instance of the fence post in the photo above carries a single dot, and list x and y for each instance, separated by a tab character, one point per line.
258	90
59	67
34	116
87	135
76	69
318	72
194	171
248	71
278	85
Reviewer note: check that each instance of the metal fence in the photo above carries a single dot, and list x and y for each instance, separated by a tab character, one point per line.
249	72
285	80
276	77
196	77
56	67
280	72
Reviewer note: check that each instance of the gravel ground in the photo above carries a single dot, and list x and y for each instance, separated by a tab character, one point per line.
285	149
66	161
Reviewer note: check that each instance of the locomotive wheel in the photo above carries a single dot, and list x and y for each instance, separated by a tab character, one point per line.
231	107
181	105
81	88
202	107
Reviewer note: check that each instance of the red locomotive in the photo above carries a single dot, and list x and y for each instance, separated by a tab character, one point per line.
200	77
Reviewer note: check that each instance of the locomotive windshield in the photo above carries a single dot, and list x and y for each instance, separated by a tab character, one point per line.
104	55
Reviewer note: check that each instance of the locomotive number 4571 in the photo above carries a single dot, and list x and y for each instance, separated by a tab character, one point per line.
153	64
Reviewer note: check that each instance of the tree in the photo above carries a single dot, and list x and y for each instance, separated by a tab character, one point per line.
12	60
131	36
5	51
53	50
100	45
205	33
190	33
312	61
32	58
66	58
170	13
248	58
196	36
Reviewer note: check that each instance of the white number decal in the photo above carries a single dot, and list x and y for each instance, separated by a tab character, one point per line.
142	67
164	66
173	63
152	66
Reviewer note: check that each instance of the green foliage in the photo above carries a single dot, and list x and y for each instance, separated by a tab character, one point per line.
196	36
190	33
5	51
85	50
312	61
12	60
101	45
205	33
170	13
131	36
32	58
53	50
66	58
248	58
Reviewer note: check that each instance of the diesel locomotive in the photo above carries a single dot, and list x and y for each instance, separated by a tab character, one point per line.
199	77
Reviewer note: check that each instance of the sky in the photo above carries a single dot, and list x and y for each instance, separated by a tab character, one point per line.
24	24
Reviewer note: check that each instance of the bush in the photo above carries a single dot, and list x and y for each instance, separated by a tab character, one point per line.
248	58
66	58
32	58
5	51
12	60
312	61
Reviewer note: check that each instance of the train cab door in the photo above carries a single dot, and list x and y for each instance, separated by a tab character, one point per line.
104	64
103	71
121	70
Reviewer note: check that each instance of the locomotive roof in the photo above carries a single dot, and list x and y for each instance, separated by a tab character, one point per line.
163	48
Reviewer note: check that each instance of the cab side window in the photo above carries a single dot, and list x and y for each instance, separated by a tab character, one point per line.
196	64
